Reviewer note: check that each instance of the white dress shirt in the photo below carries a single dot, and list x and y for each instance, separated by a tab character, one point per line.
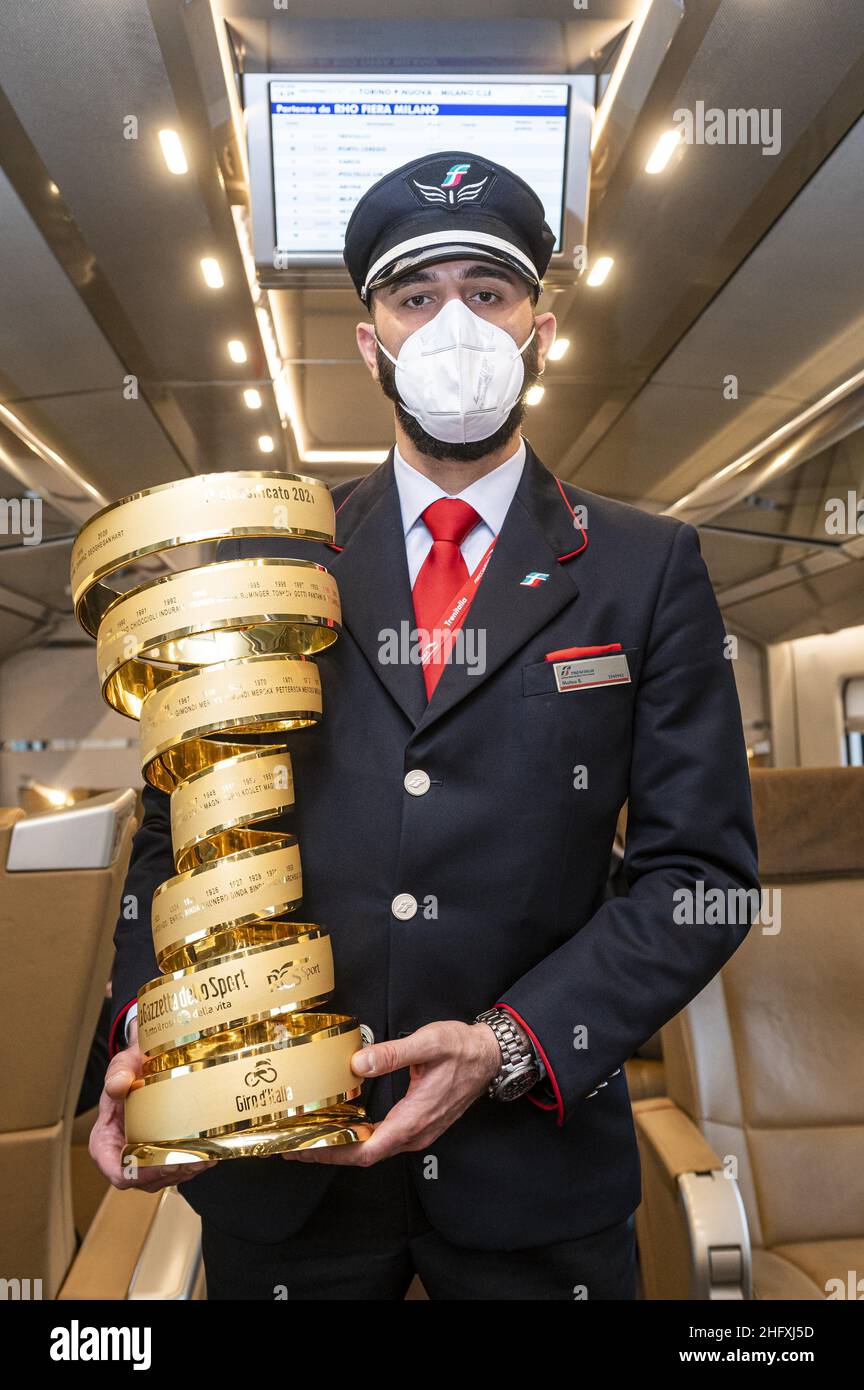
490	496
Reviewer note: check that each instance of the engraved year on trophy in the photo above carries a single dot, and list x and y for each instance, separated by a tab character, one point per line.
237	1059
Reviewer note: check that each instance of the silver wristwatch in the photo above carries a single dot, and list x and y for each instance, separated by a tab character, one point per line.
519	1069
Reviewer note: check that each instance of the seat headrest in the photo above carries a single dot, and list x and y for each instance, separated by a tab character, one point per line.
809	821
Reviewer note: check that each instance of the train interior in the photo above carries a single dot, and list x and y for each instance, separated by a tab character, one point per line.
709	295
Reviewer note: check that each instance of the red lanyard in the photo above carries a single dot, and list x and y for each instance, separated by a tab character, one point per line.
455	613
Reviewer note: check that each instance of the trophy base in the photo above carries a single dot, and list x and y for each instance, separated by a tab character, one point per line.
337	1125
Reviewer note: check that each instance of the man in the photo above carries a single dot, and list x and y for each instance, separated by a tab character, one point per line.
457	808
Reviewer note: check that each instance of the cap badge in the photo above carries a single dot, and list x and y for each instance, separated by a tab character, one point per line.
451	190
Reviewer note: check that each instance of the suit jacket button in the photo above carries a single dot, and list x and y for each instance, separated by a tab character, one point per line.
417	782
403	906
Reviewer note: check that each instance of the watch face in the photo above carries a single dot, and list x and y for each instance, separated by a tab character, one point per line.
520	1082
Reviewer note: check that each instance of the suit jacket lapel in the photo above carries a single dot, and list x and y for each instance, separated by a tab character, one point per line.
372	572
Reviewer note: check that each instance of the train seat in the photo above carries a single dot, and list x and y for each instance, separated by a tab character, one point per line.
61	877
753	1163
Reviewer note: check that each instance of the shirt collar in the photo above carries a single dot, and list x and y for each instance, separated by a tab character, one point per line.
490	496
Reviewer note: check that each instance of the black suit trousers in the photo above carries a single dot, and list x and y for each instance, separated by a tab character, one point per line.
369	1237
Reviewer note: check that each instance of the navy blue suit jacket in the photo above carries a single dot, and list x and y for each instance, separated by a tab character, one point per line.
508	851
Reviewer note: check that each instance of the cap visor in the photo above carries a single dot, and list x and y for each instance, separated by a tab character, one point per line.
431	254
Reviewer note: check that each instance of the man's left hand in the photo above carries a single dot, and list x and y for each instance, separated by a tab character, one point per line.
451	1065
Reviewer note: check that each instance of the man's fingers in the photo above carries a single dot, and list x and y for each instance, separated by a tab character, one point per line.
123	1069
348	1155
182	1172
154	1178
394	1133
196	1168
427	1044
107	1139
108	1136
119	1083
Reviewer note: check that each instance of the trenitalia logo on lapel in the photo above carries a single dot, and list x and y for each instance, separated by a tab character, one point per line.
533	578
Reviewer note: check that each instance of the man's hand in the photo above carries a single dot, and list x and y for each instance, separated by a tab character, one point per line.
451	1065
108	1135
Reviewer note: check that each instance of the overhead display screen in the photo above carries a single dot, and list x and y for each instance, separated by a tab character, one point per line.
332	139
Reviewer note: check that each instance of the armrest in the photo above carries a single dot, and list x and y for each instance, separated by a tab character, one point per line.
692	1227
170	1263
141	1245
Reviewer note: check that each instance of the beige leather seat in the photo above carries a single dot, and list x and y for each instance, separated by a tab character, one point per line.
56	948
645	1072
764	1076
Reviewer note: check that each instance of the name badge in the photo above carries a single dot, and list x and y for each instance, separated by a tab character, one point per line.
593	670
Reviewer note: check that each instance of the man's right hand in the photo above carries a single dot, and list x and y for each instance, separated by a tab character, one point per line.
108	1136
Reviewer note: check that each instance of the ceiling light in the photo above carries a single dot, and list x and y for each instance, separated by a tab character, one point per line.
618	72
252	398
558	349
534	395
663	151
600	270
244	241
780	460
236	350
172	151
275	366
212	272
265	443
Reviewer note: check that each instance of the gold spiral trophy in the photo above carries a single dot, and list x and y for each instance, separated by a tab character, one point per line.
236	1060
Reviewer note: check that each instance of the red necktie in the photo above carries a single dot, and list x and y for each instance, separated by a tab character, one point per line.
443	572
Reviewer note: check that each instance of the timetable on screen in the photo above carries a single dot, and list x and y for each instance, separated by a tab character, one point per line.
332	139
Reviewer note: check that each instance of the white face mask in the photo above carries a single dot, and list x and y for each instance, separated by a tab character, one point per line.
459	375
